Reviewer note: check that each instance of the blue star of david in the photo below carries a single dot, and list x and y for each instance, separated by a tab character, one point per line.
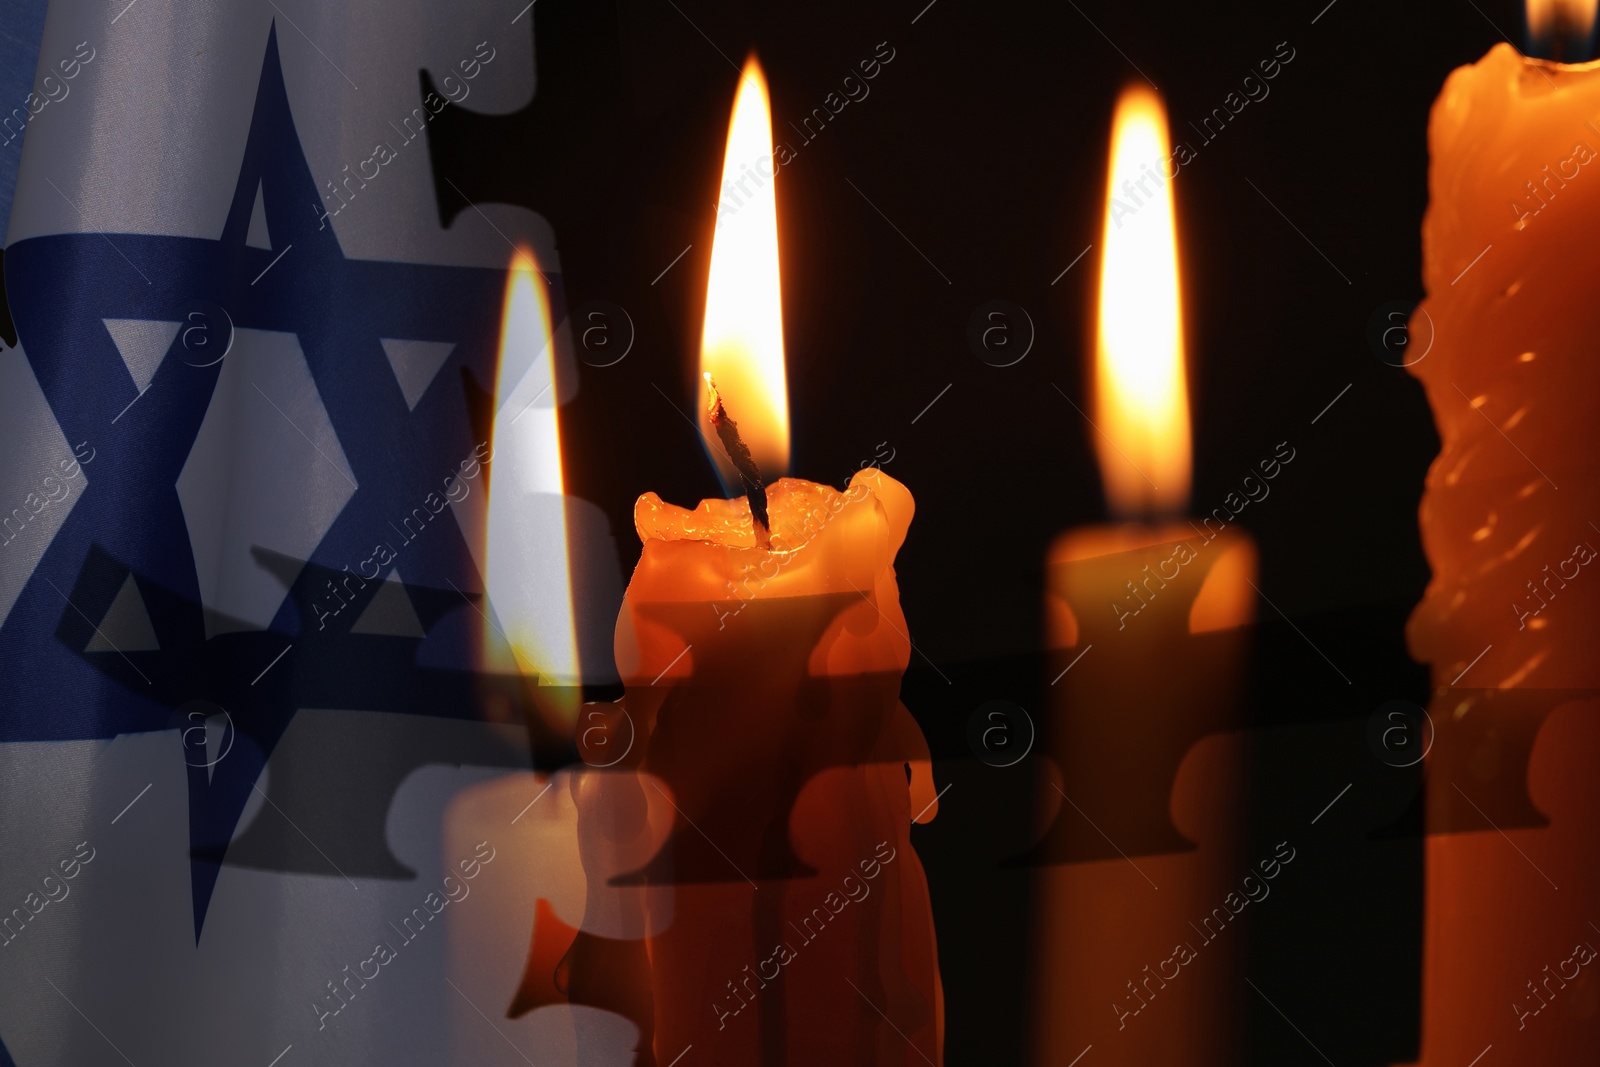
129	519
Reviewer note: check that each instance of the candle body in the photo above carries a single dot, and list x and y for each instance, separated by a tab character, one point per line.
1145	627
763	684
1508	622
1508	260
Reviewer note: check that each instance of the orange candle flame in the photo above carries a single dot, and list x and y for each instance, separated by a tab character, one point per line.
1140	387
741	342
1548	17
528	569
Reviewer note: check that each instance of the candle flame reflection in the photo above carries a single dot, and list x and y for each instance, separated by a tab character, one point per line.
1140	388
528	568
741	342
1549	19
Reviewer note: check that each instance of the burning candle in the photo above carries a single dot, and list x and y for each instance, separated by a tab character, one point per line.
1141	420
1143	619
1507	521
762	650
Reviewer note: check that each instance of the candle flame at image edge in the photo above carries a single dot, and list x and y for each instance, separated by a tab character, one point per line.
529	565
1141	405
741	341
1547	16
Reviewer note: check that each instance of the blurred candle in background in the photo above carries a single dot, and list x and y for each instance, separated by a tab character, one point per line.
1144	621
548	561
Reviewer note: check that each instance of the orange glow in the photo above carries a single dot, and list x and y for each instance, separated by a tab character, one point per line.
528	567
741	342
1140	389
1548	16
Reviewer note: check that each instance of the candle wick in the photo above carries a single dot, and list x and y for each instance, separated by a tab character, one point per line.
739	454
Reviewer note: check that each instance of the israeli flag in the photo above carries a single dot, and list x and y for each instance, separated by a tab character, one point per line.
250	811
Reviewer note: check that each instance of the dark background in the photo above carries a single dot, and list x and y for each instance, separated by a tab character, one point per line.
984	144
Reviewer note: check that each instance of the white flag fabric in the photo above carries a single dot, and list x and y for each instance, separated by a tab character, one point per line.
251	814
